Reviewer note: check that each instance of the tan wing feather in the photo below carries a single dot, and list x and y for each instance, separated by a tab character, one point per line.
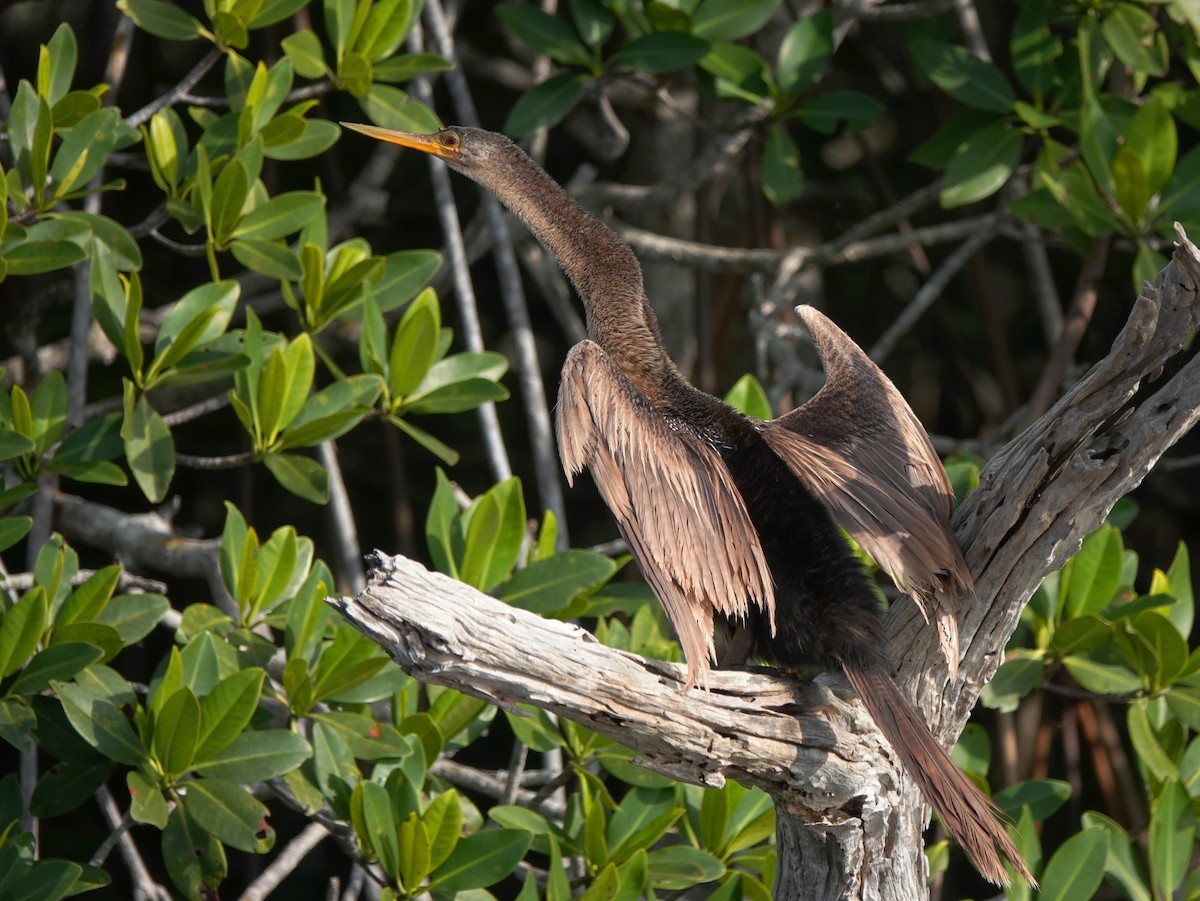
673	498
859	447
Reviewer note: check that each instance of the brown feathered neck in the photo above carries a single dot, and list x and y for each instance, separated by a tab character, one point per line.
602	267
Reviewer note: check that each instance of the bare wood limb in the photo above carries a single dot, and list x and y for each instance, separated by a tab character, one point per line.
840	798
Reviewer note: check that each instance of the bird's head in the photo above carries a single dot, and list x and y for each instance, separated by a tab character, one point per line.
471	151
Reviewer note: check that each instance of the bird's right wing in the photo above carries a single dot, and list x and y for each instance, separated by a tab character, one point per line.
672	496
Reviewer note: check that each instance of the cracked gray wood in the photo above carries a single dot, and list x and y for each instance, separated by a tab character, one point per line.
842	803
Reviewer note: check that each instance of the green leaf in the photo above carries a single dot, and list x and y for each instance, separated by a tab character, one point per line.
805	49
380	824
302	476
58	662
782	175
267	258
550	585
69	784
1102	678
231	814
481	860
1133	35
176	728
13	529
644	816
747	395
133	616
255	756
317	137
982	165
101	723
197	319
443	823
1146	744
1179	577
226	710
1077	867
738	72
414	857
391	108
414	347
662	51
303	48
1152	139
38	256
545	33
545	105
964	76
1171	840
85	150
60	57
146	802
728	20
440	526
455	397
193	856
150	450
1120	863
680	867
161	19
593	21
17	722
1130	186
230	191
823	113
1035	48
1093	575
22	629
510	533
407	66
1043	797
280	216
367	738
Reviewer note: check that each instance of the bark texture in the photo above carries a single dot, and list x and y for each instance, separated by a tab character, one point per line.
850	821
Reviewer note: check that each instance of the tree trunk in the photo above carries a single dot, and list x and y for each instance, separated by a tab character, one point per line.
849	820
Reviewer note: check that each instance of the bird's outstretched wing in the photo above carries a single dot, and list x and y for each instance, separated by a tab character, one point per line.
672	496
860	448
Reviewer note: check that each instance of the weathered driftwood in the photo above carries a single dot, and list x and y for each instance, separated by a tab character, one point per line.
850	822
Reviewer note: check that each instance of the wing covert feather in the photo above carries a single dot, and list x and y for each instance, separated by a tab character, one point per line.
673	499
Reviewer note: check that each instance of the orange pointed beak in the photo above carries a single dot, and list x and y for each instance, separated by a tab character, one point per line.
425	143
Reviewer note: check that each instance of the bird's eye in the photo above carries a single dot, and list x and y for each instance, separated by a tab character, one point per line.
450	139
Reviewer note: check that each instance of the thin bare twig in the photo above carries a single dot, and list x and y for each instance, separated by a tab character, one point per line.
1083	305
494	786
213	464
875	10
144	886
1044	291
932	290
285	862
126	581
968	20
529	374
347	552
464	289
176	94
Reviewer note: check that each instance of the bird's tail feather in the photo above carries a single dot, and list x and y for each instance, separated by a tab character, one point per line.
970	816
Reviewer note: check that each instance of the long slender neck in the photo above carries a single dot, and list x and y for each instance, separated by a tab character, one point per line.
602	267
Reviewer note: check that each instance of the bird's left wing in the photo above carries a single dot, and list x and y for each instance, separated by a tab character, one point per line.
672	496
860	448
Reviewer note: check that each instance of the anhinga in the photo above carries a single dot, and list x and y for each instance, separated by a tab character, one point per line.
731	518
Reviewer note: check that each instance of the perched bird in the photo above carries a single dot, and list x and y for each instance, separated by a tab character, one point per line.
732	519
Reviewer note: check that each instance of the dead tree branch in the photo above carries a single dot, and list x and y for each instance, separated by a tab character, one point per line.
845	810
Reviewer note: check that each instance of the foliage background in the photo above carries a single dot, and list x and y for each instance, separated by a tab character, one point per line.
1040	154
